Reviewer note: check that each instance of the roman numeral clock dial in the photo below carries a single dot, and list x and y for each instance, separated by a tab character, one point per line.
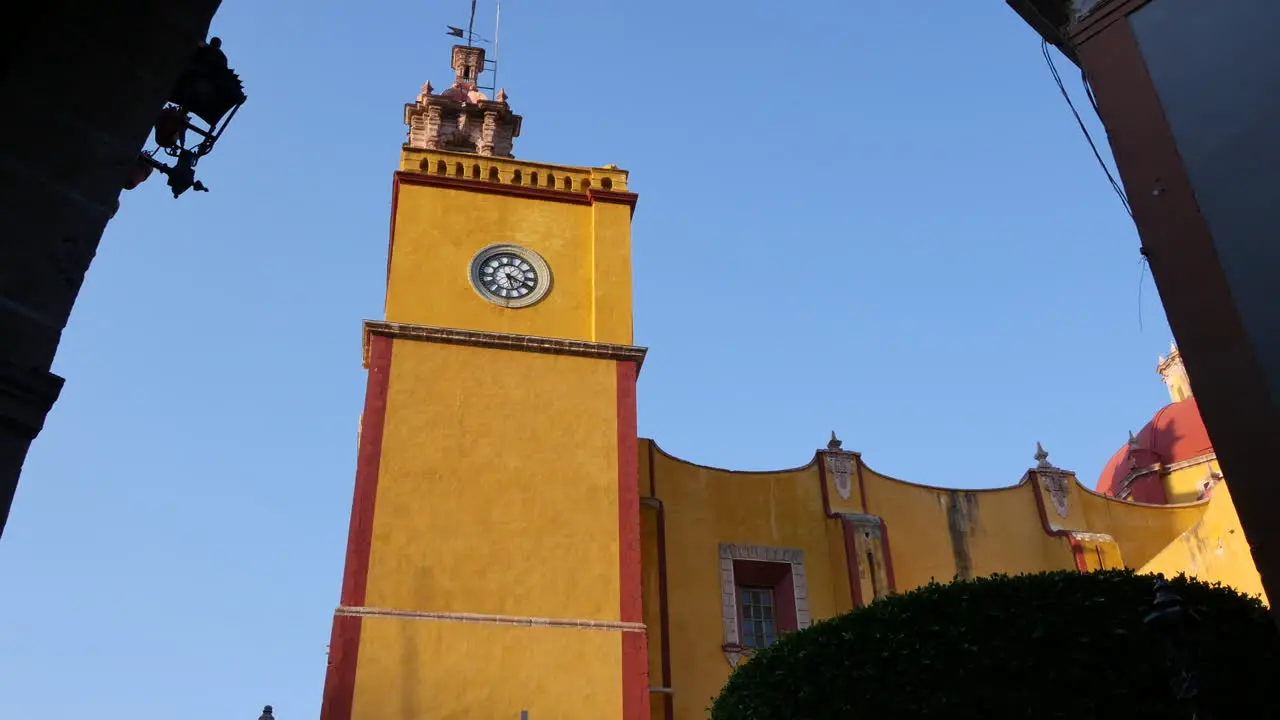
510	276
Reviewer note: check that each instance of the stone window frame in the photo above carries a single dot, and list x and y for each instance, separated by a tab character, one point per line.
733	554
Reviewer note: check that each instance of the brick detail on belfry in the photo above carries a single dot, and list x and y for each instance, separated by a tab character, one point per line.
461	118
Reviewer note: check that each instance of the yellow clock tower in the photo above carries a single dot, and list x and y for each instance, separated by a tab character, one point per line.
493	563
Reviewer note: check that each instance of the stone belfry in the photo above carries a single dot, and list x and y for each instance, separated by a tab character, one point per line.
462	118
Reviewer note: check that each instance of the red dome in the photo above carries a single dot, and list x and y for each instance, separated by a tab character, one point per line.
1175	434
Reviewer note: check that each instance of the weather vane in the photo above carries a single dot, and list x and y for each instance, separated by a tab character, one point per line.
470	36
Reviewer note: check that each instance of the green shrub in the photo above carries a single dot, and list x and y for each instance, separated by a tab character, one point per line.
1051	645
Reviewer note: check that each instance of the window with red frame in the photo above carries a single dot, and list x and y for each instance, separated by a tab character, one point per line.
766	602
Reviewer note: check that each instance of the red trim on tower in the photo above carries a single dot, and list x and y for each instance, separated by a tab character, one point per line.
369	459
635	654
490	187
340	670
344	645
614	196
395	203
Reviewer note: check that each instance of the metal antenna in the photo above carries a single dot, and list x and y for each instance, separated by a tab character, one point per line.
497	22
471	24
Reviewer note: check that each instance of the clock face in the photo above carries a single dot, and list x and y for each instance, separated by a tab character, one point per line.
510	276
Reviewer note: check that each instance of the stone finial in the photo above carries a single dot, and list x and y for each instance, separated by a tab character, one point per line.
426	91
1042	457
266	714
835	443
501	96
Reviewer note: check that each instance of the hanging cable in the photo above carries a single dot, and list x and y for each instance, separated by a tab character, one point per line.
1044	48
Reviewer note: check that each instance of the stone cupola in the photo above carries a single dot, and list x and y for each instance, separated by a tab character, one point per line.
461	118
1175	375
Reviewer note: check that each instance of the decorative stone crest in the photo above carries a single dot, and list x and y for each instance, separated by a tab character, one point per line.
734	651
1055	481
840	465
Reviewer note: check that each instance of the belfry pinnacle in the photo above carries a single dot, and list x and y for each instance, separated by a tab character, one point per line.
462	118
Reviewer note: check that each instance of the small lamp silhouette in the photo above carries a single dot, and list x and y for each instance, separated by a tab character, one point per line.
211	91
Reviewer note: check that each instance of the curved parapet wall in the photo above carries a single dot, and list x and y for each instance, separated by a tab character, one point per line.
849	534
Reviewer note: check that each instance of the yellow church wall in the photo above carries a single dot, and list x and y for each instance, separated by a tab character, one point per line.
939	533
841	593
438	229
1183	484
1048	521
413	669
523	524
1213	549
705	507
1141	531
611	257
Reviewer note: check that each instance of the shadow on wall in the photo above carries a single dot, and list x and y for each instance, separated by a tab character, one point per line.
1176	434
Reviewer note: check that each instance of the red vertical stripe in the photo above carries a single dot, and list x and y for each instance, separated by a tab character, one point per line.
887	551
635	654
344	645
851	557
1077	554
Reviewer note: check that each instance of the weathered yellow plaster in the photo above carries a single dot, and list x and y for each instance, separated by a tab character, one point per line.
1213	549
933	534
438	230
411	669
707	506
471	518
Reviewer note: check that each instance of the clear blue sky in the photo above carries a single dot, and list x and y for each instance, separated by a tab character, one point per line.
911	241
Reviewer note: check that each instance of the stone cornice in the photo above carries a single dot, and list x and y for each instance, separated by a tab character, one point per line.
1138	472
502	341
590	196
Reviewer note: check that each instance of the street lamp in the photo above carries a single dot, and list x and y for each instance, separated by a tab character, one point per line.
1172	620
211	91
